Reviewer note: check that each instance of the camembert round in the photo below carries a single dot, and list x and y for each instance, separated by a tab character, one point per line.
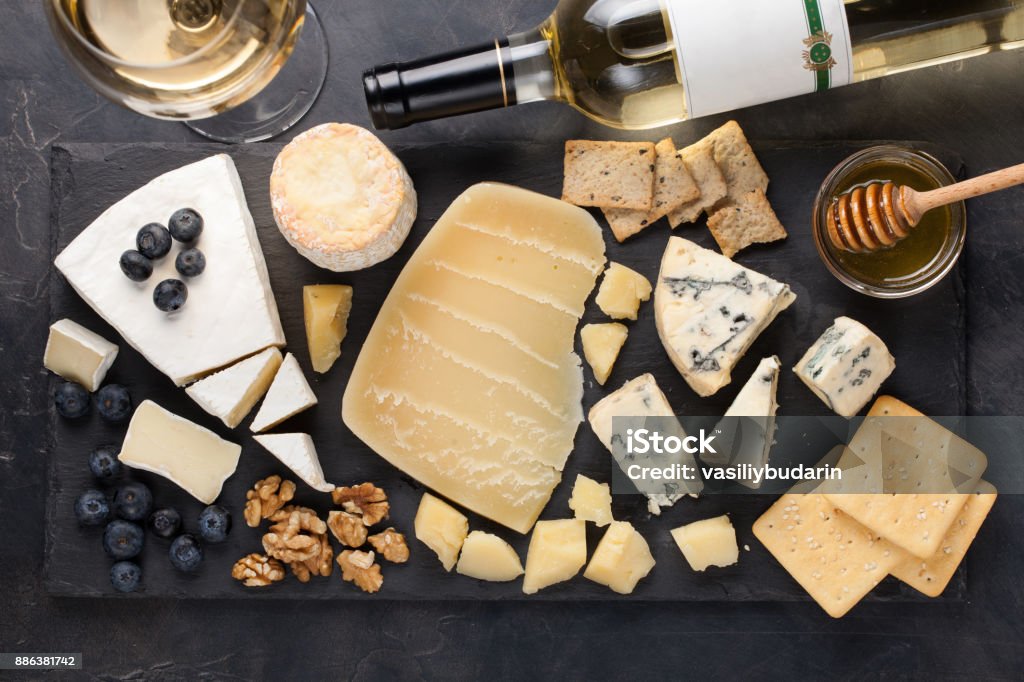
341	198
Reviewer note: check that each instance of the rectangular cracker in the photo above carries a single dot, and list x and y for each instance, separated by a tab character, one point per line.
733	154
931	576
609	174
700	161
833	557
751	220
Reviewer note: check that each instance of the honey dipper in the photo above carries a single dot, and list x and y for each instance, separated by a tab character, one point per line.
877	215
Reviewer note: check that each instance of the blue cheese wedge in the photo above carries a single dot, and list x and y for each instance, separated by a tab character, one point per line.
289	394
297	452
846	366
709	311
231	393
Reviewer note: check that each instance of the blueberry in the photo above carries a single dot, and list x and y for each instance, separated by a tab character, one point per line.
103	462
92	508
215	523
125	576
71	400
123	539
190	262
186	553
133	501
170	295
185	224
153	241
165	523
114	403
135	266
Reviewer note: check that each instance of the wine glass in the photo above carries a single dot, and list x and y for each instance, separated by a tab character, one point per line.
218	64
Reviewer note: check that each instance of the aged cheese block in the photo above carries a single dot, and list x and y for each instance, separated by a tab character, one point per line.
468	380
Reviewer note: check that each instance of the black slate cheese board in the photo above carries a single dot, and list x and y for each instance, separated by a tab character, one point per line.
926	334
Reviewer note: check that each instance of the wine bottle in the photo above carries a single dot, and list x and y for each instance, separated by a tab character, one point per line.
645	63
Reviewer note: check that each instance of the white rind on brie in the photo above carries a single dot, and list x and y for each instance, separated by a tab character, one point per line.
231	393
289	394
297	452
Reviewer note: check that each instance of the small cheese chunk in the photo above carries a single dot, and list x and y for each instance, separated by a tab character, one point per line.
488	557
442	528
78	355
621	292
558	550
297	452
621	560
846	366
711	542
591	501
601	346
326	308
196	459
288	395
231	393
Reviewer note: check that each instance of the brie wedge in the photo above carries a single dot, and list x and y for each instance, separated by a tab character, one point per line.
297	452
78	355
289	394
231	393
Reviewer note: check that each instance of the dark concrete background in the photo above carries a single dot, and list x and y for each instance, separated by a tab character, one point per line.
974	107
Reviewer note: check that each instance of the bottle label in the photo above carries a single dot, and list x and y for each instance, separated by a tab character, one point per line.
737	53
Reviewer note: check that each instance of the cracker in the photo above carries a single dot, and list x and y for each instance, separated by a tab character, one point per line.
751	220
701	163
931	576
609	174
733	154
833	557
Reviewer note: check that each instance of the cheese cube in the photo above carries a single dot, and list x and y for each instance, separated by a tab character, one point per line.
441	528
621	292
846	366
591	501
231	393
326	308
621	560
601	346
558	550
78	355
711	542
488	557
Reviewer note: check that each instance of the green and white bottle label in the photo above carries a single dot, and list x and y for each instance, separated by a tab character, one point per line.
738	53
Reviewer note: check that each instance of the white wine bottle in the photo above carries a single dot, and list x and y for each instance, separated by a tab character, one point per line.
645	63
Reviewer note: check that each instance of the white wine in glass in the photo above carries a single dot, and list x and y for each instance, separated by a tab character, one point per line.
197	59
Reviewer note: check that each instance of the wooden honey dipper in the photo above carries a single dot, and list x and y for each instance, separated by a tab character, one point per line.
877	215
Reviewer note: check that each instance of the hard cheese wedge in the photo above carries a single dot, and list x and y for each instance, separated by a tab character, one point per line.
297	452
78	355
468	380
621	560
325	308
196	459
488	557
709	542
558	550
288	395
709	311
591	501
231	393
230	313
442	528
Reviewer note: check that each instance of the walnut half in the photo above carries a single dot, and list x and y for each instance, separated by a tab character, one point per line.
256	570
365	499
391	544
266	498
358	567
347	528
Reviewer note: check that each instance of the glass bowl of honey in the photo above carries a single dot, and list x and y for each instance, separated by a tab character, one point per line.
911	265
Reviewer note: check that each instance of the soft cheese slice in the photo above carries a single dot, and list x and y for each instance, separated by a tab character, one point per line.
468	380
325	308
621	560
231	393
297	452
709	311
288	395
78	355
193	457
442	528
488	557
558	550
231	312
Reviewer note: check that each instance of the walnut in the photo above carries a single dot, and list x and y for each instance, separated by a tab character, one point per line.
358	567
291	520
347	528
300	570
291	548
323	563
266	498
365	499
257	570
391	544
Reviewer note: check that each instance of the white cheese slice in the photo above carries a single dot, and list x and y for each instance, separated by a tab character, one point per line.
289	394
230	312
195	458
297	452
709	310
231	393
78	355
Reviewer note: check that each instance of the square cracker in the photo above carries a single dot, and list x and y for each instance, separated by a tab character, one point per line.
673	187
609	174
833	557
750	220
701	163
931	576
733	154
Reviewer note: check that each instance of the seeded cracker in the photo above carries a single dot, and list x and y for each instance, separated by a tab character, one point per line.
749	221
609	174
742	170
673	187
833	557
710	182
